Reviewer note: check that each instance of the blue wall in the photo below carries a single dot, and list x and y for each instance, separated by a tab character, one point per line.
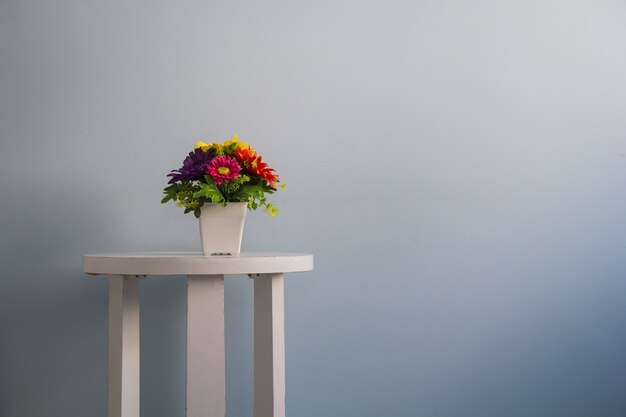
457	167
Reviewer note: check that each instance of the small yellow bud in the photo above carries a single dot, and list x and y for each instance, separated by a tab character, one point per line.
231	141
201	145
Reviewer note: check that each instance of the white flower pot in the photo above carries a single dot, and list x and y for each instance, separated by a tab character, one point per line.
221	228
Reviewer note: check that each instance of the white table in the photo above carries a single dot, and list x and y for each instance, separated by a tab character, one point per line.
206	390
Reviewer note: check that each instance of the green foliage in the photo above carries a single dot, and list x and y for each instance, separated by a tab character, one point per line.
182	194
229	149
249	192
209	191
170	193
229	189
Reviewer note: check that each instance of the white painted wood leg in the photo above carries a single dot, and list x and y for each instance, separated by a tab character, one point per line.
123	346
206	375
269	346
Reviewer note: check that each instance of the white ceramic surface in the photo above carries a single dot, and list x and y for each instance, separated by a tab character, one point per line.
221	228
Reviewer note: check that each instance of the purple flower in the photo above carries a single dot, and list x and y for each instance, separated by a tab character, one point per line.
193	166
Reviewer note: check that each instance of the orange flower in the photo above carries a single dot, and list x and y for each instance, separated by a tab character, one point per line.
254	164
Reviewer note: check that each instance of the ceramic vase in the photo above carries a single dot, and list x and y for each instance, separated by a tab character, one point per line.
221	228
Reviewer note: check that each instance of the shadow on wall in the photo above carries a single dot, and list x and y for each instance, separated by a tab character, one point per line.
53	354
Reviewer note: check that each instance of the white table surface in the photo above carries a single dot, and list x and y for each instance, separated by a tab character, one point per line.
194	263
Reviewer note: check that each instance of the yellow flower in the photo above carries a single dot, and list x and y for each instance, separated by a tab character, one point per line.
271	209
206	147
282	186
216	146
240	144
202	146
233	140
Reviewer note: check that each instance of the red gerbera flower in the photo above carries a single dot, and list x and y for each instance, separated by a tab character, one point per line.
254	164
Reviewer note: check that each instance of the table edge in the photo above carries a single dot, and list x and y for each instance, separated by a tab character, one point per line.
169	264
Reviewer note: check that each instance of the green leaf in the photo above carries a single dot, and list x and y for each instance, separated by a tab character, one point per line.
248	191
170	193
210	192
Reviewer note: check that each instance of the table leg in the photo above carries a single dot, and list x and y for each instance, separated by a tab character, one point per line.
123	346
206	375
269	346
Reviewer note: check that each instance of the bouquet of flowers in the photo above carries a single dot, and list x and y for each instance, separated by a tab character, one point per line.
221	174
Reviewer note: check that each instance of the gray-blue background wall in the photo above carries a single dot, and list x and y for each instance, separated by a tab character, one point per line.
458	168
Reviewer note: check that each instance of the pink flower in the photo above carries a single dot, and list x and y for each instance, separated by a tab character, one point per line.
223	169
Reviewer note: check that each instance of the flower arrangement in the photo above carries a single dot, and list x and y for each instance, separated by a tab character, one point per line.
222	174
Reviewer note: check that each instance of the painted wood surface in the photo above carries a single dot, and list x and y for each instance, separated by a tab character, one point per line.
269	346
205	325
206	374
183	263
123	346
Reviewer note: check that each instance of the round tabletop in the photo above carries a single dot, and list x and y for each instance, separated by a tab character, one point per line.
193	263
